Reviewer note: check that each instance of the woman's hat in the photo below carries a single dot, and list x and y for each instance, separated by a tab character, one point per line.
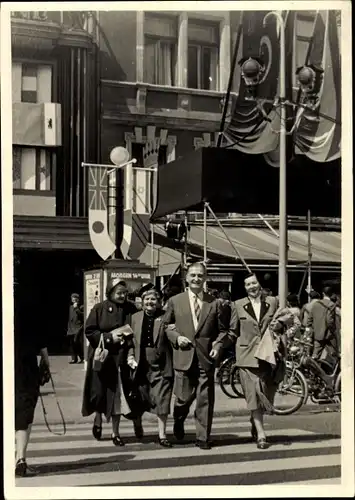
113	283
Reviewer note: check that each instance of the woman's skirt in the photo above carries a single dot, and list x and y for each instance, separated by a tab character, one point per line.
258	386
158	388
120	405
26	392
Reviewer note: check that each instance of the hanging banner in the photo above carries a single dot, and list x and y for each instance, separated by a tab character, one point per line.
318	137
139	196
98	217
263	42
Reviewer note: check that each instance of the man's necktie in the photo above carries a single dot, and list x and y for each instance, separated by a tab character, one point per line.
197	309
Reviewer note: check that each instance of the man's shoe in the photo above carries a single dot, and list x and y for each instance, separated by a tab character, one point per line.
179	431
203	445
138	429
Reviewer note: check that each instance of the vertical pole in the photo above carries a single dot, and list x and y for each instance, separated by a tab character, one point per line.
283	174
309	255
205	238
151	245
230	83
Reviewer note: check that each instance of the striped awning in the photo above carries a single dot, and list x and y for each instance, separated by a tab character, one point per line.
254	245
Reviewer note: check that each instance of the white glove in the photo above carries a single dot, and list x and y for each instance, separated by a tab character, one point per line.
132	363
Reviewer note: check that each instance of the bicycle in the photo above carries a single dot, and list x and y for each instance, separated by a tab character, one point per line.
224	379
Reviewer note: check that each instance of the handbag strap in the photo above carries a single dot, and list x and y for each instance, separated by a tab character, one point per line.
59	408
101	342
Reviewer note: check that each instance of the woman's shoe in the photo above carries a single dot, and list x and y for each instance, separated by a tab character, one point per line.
97	432
165	443
117	441
23	470
262	444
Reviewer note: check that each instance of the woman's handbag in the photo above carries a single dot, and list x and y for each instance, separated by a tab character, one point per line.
100	355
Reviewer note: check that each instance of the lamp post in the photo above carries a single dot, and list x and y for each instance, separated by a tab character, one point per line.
283	245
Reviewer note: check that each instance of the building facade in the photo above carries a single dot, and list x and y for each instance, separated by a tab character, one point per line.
85	82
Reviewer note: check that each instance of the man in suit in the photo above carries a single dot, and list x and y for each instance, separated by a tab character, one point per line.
322	323
197	337
249	321
314	297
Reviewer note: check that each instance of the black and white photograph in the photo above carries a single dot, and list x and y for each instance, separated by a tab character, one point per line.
177	234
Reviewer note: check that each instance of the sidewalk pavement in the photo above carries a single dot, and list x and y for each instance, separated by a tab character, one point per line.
69	382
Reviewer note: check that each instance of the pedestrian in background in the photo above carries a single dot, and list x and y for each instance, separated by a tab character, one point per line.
249	320
75	329
151	357
336	299
197	334
322	324
293	304
314	296
107	391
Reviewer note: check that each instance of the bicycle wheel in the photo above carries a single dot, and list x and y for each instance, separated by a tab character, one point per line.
235	382
291	393
337	388
224	377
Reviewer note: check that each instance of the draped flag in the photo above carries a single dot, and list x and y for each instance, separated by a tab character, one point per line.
98	217
319	137
257	41
138	199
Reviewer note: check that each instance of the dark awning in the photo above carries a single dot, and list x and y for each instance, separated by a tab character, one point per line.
232	181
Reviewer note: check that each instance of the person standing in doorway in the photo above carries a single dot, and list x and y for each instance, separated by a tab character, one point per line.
76	329
249	321
197	337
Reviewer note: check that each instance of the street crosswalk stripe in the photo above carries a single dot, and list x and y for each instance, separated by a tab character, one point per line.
127	477
86	443
128	429
147	421
296	456
186	451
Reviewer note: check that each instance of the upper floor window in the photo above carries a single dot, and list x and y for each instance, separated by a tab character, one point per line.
33	169
203	46
160	49
31	82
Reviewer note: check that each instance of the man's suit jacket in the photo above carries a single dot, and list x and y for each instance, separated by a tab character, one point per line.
321	319
211	330
247	330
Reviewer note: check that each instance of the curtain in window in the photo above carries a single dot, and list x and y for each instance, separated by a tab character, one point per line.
165	66
150	61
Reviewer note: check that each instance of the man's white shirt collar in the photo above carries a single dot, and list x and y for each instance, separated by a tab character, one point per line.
193	295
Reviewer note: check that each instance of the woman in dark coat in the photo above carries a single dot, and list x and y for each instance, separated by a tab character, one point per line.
151	355
107	391
30	341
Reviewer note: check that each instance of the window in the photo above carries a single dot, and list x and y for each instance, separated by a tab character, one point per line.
33	169
160	50
31	82
203	49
